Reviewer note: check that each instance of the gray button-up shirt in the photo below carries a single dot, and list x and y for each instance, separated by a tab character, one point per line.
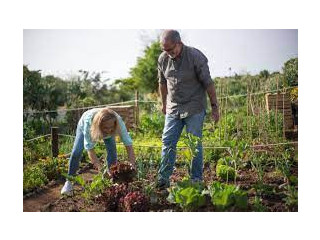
187	79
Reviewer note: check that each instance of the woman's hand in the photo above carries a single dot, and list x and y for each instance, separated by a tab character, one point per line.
133	165
97	165
131	156
94	160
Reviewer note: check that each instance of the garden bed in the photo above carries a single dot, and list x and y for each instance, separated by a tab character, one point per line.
272	193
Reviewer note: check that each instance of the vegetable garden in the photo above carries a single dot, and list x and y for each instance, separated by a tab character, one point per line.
250	157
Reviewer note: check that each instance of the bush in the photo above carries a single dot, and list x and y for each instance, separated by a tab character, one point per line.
151	124
33	177
39	174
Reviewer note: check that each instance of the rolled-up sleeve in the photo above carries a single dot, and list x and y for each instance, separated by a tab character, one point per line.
161	77
202	69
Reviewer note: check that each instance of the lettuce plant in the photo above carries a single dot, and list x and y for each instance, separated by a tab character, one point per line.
135	202
190	196
122	172
225	196
113	197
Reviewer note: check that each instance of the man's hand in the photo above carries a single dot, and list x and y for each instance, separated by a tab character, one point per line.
215	113
214	104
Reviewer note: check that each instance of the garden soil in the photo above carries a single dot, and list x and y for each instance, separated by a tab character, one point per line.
50	200
43	199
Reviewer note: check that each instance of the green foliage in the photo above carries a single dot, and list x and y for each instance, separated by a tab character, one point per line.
141	169
151	124
39	174
223	170
291	199
41	149
127	84
28	131
55	168
237	129
189	195
98	184
192	142
32	88
224	196
44	93
290	71
258	163
93	188
264	74
284	162
33	177
145	74
258	205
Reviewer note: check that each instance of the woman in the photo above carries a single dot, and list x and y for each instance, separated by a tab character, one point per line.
95	124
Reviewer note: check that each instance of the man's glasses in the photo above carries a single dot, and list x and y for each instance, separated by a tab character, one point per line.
171	50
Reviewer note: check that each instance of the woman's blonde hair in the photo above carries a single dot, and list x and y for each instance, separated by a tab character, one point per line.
105	114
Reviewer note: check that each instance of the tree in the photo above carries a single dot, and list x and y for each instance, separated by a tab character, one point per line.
290	71
145	74
32	88
264	74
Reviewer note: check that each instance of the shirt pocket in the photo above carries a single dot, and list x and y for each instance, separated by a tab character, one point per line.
188	77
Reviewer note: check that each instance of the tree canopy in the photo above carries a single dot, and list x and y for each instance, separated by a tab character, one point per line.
290	71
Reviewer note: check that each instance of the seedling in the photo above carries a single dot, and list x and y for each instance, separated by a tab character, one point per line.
223	170
192	143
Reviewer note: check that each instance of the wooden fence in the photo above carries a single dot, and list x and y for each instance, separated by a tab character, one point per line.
281	104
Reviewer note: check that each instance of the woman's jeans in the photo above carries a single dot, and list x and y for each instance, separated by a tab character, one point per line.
171	134
77	150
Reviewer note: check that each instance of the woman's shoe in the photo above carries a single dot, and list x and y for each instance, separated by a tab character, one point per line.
67	189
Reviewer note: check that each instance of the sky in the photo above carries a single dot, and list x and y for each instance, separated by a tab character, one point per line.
113	52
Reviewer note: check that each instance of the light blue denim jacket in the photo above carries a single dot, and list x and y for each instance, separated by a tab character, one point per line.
85	125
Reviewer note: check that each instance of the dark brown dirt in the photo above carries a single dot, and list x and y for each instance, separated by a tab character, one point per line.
50	195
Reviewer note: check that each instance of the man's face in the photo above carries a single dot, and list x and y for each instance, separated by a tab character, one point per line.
170	48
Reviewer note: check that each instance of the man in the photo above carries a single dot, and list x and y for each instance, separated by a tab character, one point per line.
184	78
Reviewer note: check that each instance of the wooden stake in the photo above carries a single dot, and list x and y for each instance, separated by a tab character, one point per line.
54	141
137	109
